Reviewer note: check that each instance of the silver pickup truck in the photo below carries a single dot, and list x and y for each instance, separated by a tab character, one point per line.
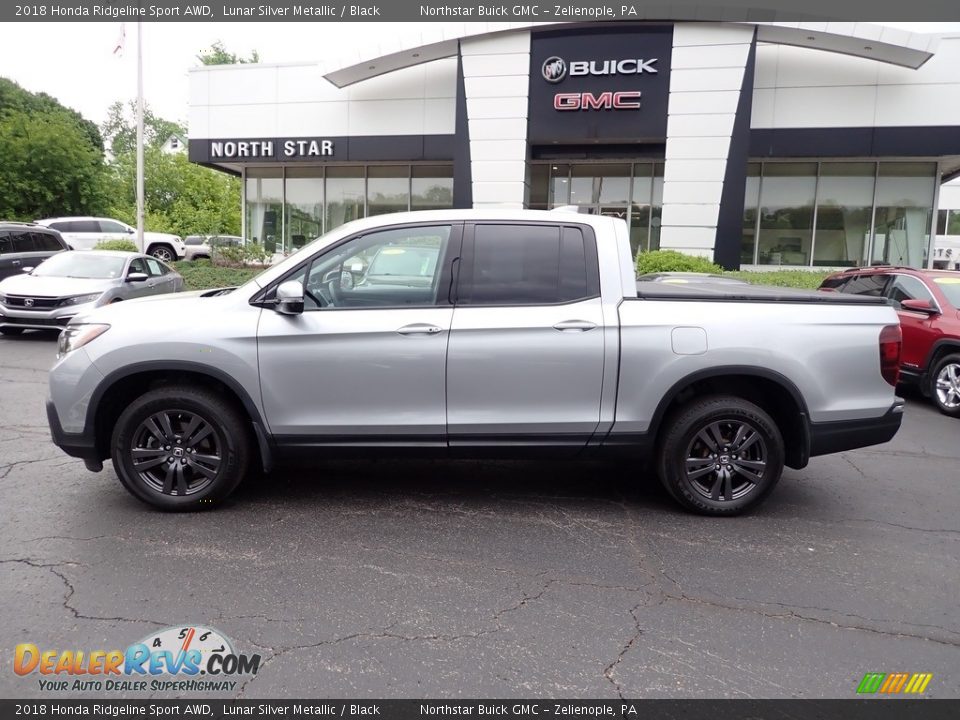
504	333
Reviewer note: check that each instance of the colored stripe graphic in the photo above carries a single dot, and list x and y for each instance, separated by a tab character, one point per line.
894	683
870	683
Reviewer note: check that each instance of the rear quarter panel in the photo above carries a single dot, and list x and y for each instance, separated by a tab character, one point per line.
830	353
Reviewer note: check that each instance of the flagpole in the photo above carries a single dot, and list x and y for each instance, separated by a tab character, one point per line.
140	244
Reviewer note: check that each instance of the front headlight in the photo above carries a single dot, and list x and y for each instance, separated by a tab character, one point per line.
80	299
76	336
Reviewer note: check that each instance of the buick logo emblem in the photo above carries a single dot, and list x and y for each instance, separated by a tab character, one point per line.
554	69
28	302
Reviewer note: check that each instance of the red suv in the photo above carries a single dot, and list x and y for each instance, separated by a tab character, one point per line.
928	303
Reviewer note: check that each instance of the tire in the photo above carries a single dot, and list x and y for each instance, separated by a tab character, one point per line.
163	252
11	331
221	433
699	468
945	385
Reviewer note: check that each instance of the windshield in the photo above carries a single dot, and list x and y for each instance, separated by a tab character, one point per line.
411	261
951	288
82	265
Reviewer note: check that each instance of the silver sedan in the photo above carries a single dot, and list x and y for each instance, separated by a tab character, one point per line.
48	296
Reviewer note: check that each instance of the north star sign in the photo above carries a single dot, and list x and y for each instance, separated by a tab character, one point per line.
265	149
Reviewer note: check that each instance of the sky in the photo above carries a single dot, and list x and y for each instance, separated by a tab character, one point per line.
74	62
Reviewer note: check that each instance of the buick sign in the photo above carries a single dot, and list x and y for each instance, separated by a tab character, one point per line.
554	69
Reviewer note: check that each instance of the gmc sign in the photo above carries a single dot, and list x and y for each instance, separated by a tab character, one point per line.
626	100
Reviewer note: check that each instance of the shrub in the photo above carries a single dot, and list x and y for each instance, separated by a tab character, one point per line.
240	255
672	261
116	245
805	279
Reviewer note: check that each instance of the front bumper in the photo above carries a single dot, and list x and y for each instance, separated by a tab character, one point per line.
832	437
53	319
79	445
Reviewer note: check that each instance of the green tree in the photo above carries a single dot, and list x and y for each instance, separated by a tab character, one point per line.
179	196
219	55
120	128
14	97
49	167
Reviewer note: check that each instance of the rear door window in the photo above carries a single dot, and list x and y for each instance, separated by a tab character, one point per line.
528	265
22	241
84	226
6	244
870	285
45	242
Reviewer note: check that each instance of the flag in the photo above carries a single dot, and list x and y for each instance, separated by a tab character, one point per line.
121	41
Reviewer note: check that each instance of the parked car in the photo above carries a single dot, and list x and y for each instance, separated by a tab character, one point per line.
530	336
200	247
26	245
83	233
928	304
73	282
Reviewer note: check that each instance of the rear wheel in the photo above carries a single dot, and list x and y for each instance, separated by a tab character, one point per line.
180	448
720	455
945	385
11	331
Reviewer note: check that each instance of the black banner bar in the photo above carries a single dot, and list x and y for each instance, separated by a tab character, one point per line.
475	11
873	709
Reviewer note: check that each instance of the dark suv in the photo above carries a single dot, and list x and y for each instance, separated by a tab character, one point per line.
24	245
928	303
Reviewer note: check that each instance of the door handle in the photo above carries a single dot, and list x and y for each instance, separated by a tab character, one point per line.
569	325
15	262
419	329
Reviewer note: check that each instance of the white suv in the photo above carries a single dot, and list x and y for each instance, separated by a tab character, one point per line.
83	233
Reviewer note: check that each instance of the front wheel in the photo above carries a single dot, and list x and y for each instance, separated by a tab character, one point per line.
945	385
180	448
720	455
162	252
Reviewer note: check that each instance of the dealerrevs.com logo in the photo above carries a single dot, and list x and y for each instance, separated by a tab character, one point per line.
190	658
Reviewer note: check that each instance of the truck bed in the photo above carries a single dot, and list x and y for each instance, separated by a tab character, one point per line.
730	292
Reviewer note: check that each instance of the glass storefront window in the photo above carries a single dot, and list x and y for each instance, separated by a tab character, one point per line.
844	211
264	204
631	191
432	187
345	195
786	213
657	206
388	189
559	185
641	199
751	201
304	206
901	226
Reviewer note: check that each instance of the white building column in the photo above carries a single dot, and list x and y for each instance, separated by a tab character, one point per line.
707	70
496	77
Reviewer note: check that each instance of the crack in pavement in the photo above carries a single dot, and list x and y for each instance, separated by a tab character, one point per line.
609	669
52	568
386	634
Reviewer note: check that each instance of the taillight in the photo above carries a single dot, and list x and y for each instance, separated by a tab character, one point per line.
891	340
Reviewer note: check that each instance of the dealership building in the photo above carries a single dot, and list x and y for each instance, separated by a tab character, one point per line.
754	144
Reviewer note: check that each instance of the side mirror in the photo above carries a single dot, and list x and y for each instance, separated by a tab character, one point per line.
289	298
136	277
131	231
27	270
920	306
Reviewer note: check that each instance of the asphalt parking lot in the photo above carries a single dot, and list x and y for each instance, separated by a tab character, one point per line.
428	579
